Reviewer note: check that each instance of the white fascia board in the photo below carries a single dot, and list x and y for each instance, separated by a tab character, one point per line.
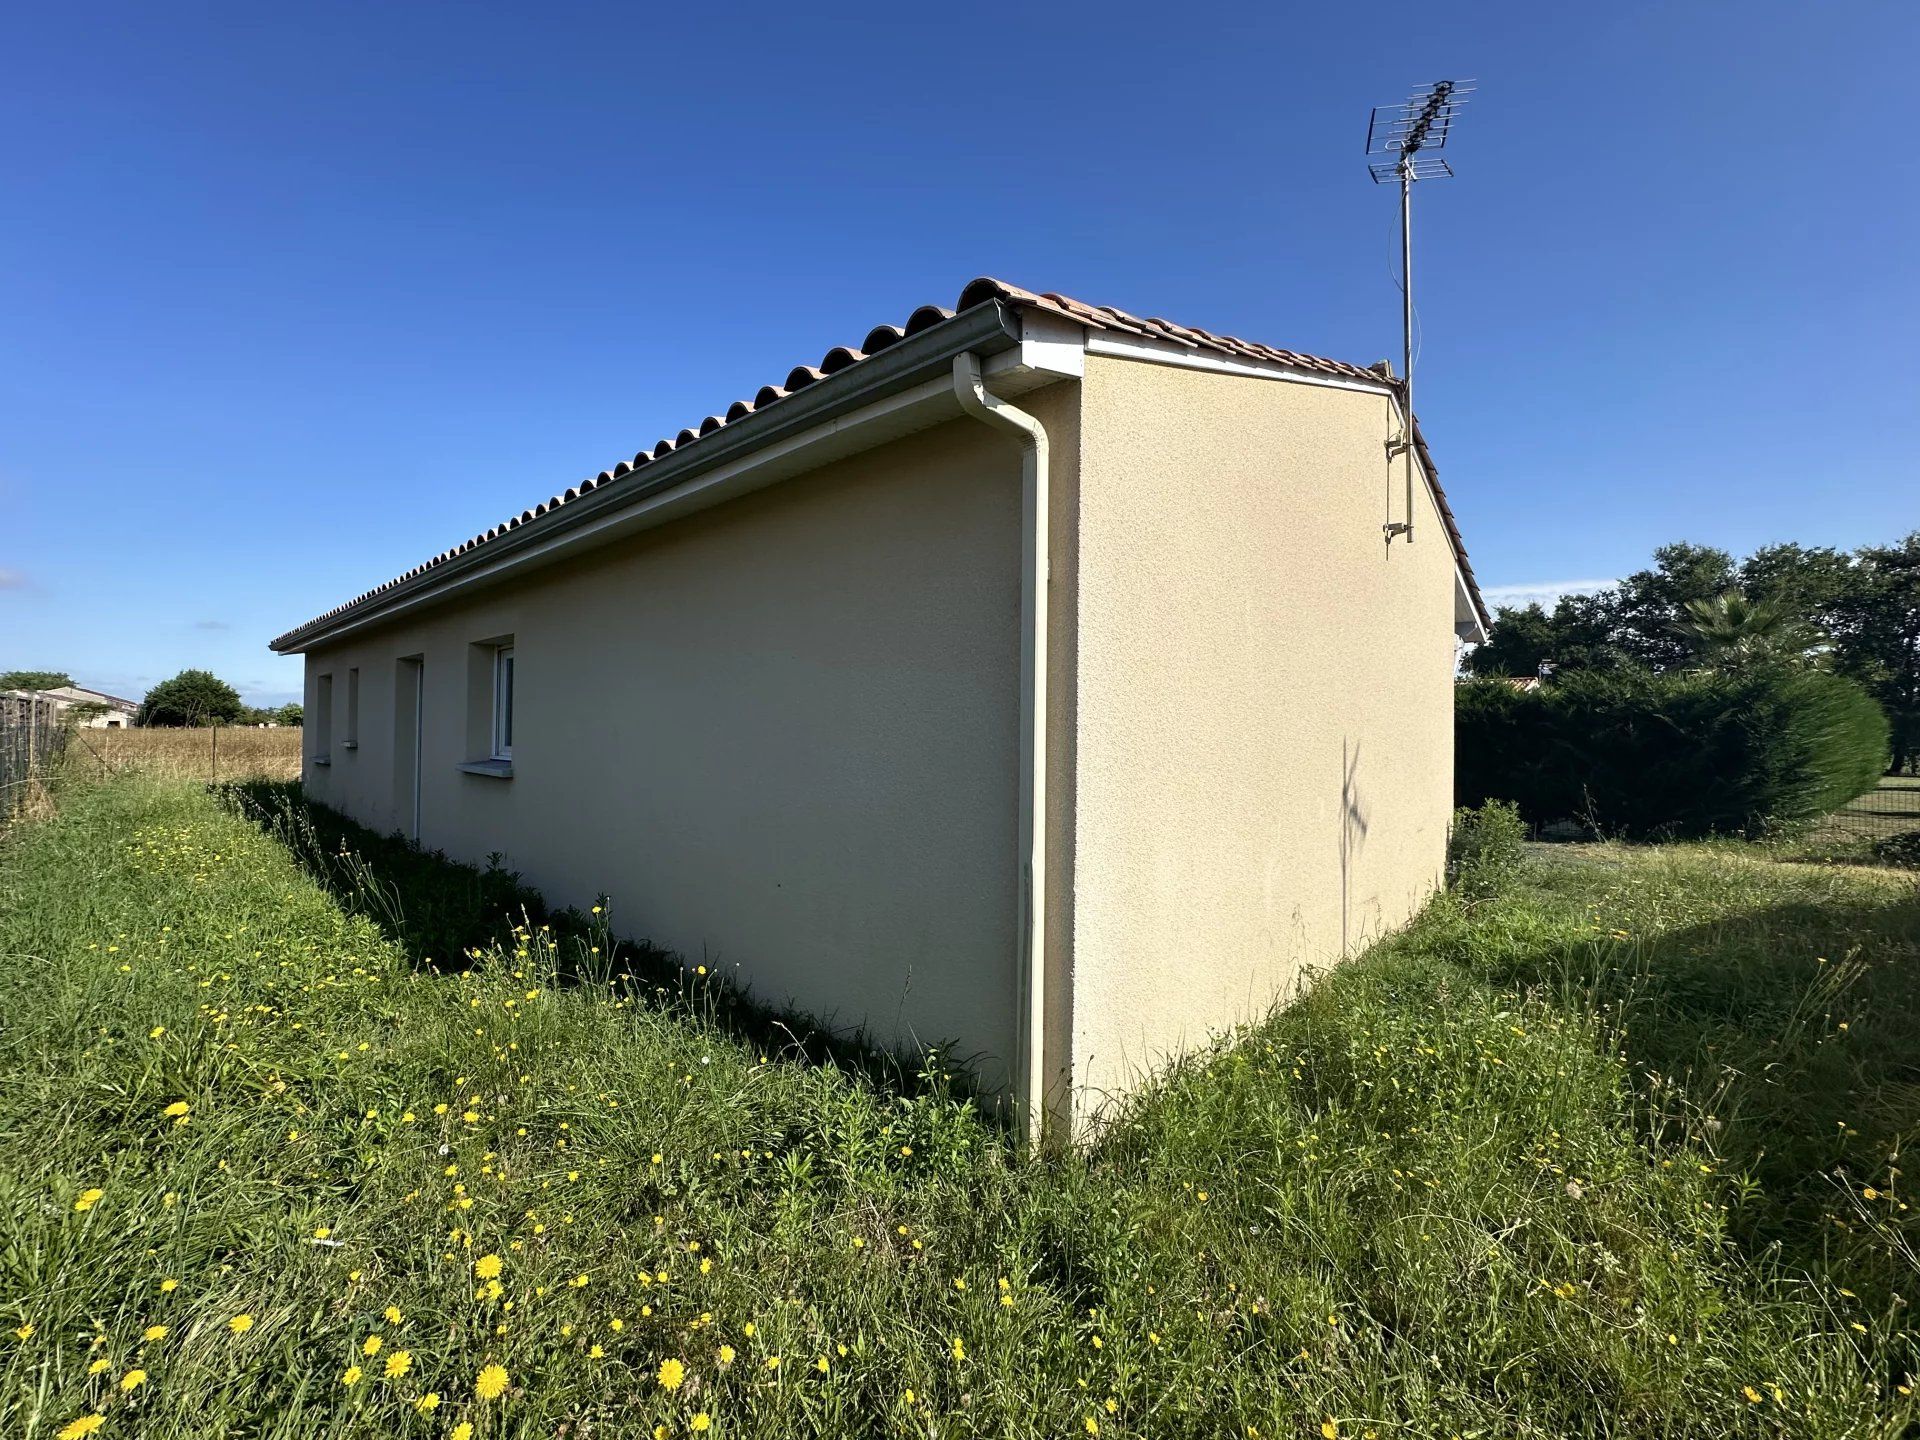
896	415
1051	348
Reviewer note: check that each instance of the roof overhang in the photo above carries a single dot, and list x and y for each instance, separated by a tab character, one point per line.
1024	341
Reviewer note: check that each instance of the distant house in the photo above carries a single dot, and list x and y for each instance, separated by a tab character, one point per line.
1033	676
117	714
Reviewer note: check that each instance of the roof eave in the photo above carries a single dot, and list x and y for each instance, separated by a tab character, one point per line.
985	329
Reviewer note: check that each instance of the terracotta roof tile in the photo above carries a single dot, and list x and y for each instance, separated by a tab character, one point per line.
841	358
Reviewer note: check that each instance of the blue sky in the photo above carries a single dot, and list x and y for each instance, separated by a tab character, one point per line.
294	296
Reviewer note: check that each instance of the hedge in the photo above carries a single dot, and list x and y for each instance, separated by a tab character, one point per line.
1652	756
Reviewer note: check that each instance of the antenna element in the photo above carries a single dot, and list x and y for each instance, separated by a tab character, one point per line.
1404	138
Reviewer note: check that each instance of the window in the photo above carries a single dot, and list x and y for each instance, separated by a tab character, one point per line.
353	708
323	720
503	703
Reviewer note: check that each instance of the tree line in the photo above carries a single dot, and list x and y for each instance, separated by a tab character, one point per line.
193	697
1856	613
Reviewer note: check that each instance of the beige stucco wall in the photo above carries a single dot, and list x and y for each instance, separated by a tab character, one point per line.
1260	735
782	735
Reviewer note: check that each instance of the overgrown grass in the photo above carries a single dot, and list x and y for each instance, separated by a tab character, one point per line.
1442	1195
229	752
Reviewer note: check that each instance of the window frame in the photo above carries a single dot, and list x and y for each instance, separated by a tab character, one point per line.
501	729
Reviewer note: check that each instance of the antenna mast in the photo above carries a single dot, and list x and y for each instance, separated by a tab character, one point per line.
1404	137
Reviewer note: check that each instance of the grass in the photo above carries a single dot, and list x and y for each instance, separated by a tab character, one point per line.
227	753
1614	1153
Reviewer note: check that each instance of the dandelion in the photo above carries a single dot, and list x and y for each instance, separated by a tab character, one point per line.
1753	1395
727	1354
1091	1425
595	1352
821	1365
177	1110
1330	1428
428	1403
86	1200
153	1333
25	1332
78	1429
240	1324
491	1382
701	1420
462	1431
773	1362
487	1267
959	1349
672	1373
392	1313
370	1346
132	1381
350	1376
169	1285
398	1364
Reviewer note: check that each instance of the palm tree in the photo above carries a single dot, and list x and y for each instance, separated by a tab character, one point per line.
1733	629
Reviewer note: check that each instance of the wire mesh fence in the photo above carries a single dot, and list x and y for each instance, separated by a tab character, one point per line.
1891	808
32	737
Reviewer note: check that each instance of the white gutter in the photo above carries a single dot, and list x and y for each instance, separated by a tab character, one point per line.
1030	1038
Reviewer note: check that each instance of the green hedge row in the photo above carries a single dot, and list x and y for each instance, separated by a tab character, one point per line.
1673	755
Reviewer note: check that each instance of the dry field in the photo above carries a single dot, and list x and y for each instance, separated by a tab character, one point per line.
226	753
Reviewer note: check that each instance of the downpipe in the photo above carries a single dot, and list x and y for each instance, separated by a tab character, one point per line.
1030	1038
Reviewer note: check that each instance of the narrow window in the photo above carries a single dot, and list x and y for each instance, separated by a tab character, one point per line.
353	708
503	703
323	720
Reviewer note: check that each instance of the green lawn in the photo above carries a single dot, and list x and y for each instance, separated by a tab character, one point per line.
1615	1154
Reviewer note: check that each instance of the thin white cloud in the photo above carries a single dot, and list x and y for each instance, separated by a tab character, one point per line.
211	625
12	579
1541	592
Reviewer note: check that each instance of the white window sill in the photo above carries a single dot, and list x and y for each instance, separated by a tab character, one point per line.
351	745
493	769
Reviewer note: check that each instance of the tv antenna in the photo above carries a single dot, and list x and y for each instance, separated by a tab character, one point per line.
1403	142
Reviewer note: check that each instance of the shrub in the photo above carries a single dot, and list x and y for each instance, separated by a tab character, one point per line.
1902	850
1483	848
193	697
1644	755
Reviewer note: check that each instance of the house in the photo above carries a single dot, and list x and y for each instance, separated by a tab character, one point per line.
101	711
1032	677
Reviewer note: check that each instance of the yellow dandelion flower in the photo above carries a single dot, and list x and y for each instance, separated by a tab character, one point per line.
491	1382
370	1346
1091	1425
672	1373
428	1403
773	1362
398	1364
392	1313
78	1429
97	1366
727	1354
1753	1395
25	1332
462	1431
594	1352
1330	1428
350	1376
169	1285
821	1365
132	1380
86	1200
487	1267
153	1333
959	1349
240	1324
701	1420
177	1110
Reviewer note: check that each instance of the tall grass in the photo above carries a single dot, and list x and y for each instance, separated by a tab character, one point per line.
1440	1196
228	752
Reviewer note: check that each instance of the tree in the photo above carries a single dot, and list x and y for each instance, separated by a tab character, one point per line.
34	679
293	713
80	714
1733	629
1519	642
1650	603
1877	637
193	697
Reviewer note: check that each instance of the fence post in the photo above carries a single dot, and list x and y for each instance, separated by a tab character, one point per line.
216	751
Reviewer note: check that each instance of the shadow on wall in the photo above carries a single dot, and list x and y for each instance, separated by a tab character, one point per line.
439	912
1781	1040
1353	835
